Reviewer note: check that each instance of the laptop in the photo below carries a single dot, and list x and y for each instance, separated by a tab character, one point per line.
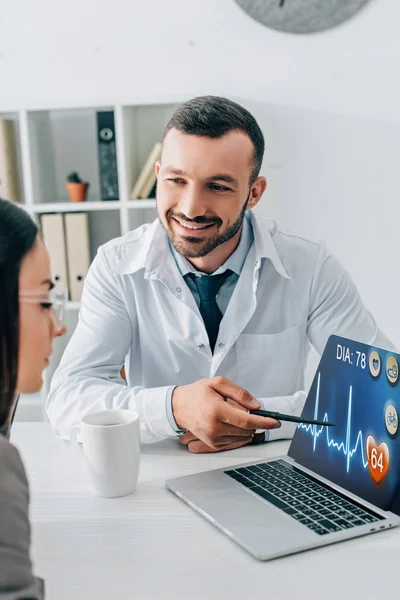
336	483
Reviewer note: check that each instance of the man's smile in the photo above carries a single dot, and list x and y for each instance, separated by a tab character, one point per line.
182	226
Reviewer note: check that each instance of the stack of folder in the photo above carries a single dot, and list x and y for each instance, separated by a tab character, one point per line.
67	240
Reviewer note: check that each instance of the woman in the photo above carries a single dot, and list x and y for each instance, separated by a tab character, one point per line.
30	317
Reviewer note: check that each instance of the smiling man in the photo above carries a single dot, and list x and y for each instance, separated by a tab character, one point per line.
203	210
210	309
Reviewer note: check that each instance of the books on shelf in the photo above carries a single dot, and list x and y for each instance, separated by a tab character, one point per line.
66	237
146	181
9	188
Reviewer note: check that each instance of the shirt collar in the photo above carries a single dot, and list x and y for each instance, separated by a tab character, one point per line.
151	251
264	243
234	262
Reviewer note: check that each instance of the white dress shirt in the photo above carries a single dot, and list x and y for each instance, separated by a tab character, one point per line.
138	311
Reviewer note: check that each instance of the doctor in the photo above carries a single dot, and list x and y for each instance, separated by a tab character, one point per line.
208	303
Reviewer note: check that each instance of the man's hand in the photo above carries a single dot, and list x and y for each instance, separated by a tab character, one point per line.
197	446
203	410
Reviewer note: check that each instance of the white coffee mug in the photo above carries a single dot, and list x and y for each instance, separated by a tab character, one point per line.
111	450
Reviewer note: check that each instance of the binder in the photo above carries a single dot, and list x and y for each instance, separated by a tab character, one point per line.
53	236
107	151
9	187
78	253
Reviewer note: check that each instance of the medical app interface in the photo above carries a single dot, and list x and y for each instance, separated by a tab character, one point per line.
356	386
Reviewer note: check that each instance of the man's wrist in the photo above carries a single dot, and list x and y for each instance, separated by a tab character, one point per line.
170	412
260	437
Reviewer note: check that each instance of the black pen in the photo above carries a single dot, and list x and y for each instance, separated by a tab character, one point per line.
291	418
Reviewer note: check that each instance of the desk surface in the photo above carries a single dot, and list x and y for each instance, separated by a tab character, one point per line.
152	545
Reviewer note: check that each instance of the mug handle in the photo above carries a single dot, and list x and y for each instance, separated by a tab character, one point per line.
73	440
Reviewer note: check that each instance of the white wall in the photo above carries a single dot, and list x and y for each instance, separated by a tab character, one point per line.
328	103
89	50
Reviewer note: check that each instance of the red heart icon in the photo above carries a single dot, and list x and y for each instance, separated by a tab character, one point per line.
378	459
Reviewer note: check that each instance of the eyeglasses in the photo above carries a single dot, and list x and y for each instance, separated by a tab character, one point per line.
54	299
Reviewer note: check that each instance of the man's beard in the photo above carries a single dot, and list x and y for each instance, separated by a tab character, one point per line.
185	247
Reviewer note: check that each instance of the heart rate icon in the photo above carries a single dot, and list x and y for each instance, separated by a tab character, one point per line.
374	363
378	459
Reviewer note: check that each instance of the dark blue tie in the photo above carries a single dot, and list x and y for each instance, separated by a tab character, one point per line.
208	287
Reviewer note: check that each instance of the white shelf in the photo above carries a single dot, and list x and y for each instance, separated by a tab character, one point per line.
149	203
53	141
91	206
76	206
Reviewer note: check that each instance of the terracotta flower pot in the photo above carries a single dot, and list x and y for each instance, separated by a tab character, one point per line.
77	191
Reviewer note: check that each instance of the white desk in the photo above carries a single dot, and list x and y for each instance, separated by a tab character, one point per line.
152	545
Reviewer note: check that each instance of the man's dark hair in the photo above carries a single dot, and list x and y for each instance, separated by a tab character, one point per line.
17	237
213	117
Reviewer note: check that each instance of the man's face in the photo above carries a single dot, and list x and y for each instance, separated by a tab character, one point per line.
203	189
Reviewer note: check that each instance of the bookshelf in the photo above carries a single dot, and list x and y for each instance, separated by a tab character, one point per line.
51	142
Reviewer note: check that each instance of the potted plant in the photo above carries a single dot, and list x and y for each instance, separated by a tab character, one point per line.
77	189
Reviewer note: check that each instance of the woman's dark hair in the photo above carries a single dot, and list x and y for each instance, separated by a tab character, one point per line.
213	117
17	237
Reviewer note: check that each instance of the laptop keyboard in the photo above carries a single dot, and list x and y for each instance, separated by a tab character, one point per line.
303	497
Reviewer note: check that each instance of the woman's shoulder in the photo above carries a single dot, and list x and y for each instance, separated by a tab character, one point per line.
14	498
13	478
15	563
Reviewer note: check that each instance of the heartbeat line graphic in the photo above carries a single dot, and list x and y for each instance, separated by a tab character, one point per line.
345	446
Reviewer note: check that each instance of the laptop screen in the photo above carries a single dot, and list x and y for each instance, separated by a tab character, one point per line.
357	387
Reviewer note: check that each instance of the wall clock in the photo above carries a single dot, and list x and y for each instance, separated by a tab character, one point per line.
301	16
